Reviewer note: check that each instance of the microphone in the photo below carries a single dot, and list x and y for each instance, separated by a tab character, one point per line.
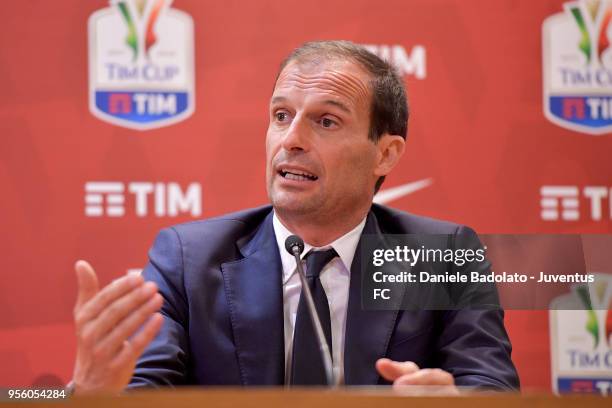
293	242
295	246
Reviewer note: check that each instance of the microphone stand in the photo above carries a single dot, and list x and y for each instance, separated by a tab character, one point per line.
332	379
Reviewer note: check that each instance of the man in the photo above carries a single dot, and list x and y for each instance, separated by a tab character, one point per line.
231	311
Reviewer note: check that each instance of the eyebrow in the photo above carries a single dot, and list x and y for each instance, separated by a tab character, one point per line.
278	99
340	105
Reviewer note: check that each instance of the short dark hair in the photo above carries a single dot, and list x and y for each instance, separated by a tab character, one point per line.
389	108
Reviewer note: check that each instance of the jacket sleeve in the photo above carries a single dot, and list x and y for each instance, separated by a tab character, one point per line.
165	360
473	344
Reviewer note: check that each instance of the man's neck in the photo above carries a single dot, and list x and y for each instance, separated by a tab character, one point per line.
319	233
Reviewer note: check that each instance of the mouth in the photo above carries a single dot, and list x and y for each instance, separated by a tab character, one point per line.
296	175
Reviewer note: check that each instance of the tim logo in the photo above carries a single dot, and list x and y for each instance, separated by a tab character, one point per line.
141	73
577	67
141	198
413	63
581	338
562	203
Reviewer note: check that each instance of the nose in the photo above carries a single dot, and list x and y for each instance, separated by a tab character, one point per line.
297	136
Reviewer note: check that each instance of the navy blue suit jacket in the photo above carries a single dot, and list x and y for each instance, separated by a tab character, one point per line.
223	309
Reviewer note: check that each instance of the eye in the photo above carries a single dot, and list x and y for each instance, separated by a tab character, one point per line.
328	123
281	116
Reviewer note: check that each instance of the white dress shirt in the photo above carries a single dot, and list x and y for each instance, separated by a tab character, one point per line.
335	278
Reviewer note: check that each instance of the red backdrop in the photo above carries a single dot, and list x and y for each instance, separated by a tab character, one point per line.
477	131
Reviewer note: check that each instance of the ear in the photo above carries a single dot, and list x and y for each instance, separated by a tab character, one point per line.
390	150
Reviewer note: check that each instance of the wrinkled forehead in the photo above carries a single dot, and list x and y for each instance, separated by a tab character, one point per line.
335	78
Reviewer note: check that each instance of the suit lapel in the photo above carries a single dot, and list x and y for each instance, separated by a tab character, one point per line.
253	286
367	331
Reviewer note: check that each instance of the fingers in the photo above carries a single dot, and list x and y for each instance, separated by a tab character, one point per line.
125	306
127	327
92	308
87	282
133	349
408	373
426	376
105	318
391	370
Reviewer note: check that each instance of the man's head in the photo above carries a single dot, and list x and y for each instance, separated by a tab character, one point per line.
338	114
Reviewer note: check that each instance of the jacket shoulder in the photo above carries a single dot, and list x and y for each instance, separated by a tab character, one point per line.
393	221
240	222
216	239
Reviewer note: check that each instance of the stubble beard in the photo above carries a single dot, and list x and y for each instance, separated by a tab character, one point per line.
288	206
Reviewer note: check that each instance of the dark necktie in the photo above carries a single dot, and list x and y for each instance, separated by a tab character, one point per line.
307	365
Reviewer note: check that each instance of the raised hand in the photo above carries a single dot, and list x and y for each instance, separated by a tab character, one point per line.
113	326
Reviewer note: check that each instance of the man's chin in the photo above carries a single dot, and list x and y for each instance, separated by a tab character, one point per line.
294	204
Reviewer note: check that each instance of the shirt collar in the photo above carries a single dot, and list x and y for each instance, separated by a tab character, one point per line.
345	246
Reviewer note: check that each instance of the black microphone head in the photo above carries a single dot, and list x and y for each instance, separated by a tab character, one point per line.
293	241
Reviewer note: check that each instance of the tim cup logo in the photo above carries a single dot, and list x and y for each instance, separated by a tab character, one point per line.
577	66
595	299
141	73
581	338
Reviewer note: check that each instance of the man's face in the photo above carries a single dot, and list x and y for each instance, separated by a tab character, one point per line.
319	158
